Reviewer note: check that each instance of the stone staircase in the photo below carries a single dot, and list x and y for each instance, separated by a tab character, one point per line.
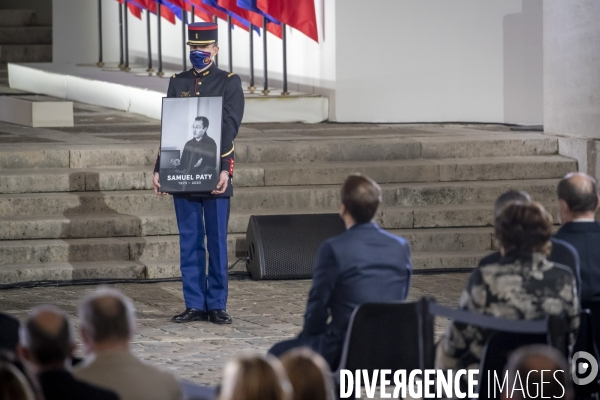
82	212
22	40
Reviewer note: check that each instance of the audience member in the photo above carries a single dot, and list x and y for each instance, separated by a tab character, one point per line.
13	383
528	363
107	326
578	202
523	285
47	346
562	252
309	375
365	264
255	378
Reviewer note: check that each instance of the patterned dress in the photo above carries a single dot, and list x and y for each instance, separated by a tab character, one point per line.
519	287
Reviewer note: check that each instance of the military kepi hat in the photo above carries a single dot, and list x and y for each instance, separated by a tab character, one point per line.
203	33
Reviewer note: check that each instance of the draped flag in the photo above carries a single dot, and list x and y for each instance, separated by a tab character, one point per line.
299	14
217	12
199	11
211	5
254	18
165	12
134	8
175	6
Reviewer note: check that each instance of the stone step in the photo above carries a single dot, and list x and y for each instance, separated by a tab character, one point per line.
254	199
25	35
19	158
118	225
247	175
296	151
370	148
17	18
420	170
24	53
142	154
169	268
100	249
164	223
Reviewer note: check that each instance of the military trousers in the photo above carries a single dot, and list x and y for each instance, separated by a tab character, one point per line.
199	218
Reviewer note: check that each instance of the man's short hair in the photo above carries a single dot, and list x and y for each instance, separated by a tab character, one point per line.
508	197
47	347
204	121
106	314
361	196
582	195
529	361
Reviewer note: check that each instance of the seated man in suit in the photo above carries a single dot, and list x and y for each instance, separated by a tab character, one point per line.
562	252
46	346
365	264
107	326
578	202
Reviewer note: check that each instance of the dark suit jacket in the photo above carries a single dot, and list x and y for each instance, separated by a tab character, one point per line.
365	264
61	385
562	253
585	237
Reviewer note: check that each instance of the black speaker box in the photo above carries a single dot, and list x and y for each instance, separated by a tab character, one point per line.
285	246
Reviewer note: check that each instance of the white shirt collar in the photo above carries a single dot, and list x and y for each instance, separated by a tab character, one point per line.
584	220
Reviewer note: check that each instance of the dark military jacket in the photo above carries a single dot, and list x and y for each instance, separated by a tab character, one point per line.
214	82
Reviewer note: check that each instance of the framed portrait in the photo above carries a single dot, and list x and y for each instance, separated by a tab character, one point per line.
190	144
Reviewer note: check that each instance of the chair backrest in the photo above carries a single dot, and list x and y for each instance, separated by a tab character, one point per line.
495	356
594	307
397	335
505	336
584	341
9	332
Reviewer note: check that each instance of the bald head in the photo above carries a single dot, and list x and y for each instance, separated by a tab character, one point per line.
107	316
578	195
46	334
528	363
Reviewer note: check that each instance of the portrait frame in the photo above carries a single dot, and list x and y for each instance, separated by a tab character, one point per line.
190	144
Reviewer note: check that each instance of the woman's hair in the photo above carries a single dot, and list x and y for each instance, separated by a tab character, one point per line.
13	383
525	227
309	374
255	378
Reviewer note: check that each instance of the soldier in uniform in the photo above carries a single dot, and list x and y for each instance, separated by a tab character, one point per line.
206	215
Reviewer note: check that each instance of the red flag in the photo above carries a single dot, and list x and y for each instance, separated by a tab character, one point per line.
165	12
200	13
217	13
254	18
299	14
133	9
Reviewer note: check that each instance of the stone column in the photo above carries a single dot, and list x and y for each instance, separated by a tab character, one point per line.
572	79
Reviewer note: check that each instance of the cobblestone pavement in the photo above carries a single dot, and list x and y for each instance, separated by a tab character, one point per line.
264	312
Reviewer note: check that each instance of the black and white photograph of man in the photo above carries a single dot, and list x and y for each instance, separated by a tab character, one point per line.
190	143
199	155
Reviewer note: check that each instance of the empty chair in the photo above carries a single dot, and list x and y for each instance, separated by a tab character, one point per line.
397	335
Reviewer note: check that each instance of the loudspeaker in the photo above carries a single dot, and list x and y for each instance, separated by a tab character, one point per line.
285	246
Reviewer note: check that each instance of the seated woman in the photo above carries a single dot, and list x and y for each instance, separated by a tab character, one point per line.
255	378
522	285
309	374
